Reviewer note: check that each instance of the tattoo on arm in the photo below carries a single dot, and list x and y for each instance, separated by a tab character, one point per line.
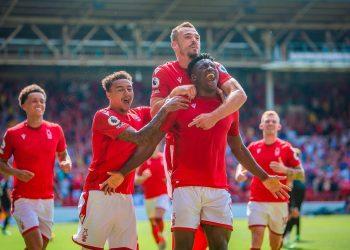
148	133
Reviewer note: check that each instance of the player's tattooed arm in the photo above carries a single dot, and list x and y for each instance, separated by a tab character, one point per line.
152	132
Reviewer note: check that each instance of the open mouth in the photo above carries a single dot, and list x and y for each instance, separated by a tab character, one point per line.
126	101
210	76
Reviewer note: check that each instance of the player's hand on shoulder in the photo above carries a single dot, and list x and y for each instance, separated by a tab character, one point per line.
278	190
176	103
24	175
184	90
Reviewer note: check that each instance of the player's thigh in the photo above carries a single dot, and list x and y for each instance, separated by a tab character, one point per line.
25	214
216	208
33	239
45	215
278	217
96	213
123	234
184	239
186	208
257	214
162	205
217	236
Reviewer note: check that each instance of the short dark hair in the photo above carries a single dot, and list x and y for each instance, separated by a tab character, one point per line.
108	80
175	31
25	92
197	59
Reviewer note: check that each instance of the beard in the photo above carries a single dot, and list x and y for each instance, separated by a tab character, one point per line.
192	55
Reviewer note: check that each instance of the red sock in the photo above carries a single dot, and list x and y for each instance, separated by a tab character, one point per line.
160	224
200	240
157	234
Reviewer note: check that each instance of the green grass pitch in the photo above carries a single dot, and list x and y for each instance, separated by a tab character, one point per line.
318	233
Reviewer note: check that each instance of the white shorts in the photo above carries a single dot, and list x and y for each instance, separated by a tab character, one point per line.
34	213
161	201
106	218
201	205
271	214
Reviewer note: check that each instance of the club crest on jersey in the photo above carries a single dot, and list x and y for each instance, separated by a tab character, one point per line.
193	105
23	136
114	121
277	151
49	134
222	69
179	79
155	82
258	150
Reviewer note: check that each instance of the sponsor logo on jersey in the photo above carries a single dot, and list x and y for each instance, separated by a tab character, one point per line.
155	82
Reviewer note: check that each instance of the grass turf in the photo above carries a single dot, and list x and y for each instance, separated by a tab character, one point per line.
317	233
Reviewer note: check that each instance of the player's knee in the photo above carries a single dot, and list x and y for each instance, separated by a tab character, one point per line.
220	243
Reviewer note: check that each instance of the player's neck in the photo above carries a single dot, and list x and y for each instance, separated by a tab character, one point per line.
183	61
270	139
118	110
203	93
34	122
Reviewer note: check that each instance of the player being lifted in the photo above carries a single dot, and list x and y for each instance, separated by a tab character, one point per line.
199	181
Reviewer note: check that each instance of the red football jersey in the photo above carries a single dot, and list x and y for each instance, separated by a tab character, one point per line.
264	154
33	149
154	185
170	75
199	155
109	153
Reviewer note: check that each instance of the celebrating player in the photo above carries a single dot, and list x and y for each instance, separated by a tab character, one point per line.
199	171
116	133
275	156
33	145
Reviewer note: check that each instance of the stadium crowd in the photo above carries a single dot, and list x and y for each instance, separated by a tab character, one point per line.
311	119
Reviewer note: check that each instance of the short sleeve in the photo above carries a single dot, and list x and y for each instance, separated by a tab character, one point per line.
292	157
108	125
6	147
223	74
62	145
234	129
160	83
